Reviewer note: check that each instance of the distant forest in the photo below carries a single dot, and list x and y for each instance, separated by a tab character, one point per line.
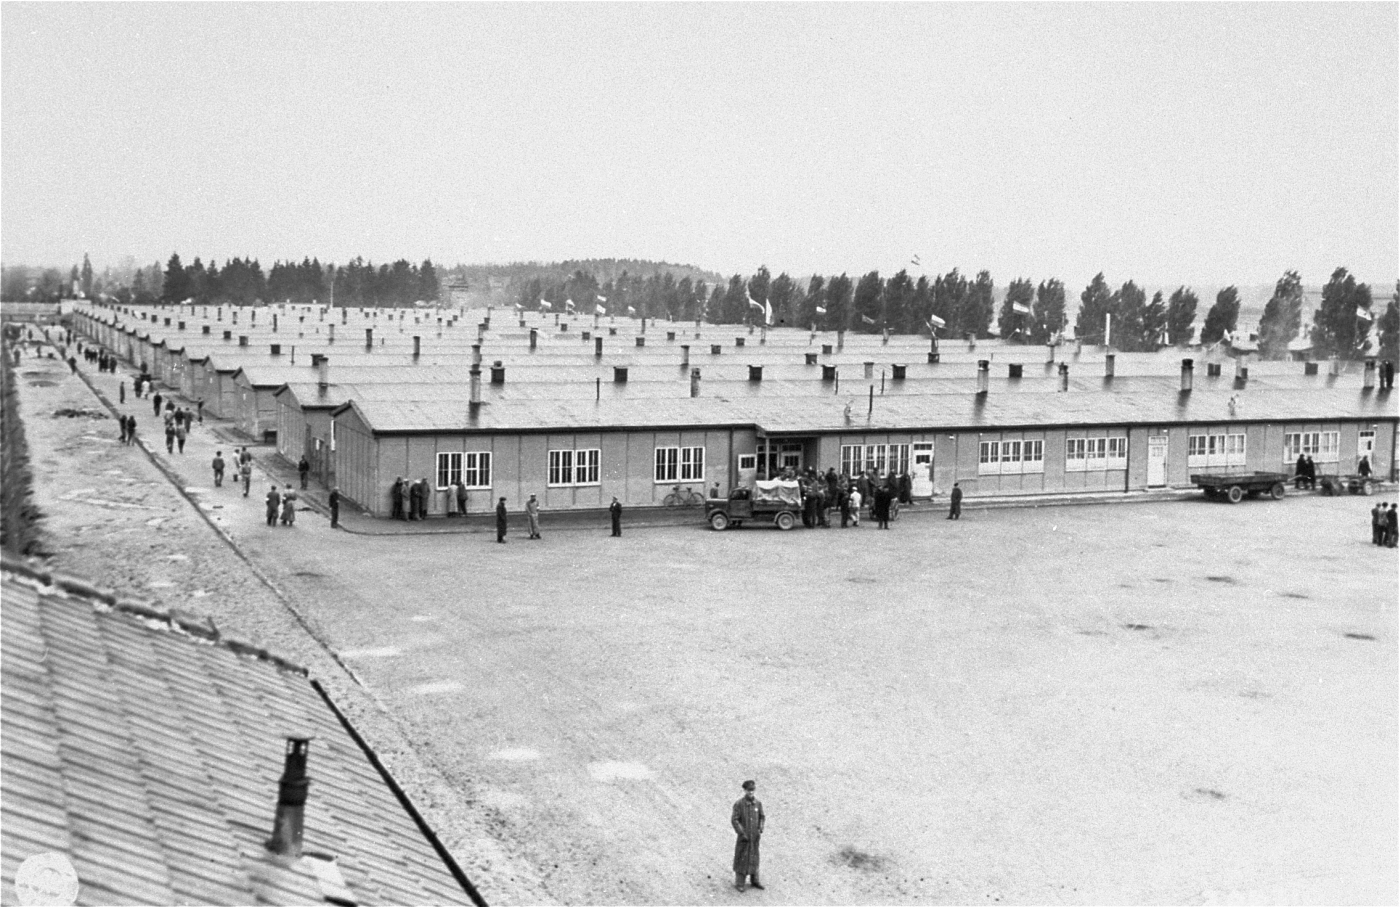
1345	321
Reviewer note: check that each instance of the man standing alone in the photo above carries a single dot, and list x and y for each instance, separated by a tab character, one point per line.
501	521
218	468
274	501
1378	525
955	503
747	820
532	514
334	501
615	511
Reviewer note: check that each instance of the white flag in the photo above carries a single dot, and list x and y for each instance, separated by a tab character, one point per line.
602	298
1020	307
631	311
935	322
1364	314
544	305
821	311
599	309
767	313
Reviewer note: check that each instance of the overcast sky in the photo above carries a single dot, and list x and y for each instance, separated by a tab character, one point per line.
1166	143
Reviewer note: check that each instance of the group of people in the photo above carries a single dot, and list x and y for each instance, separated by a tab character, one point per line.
1304	472
178	422
823	491
1385	526
283	503
415	494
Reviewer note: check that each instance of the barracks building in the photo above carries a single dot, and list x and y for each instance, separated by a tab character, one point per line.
578	410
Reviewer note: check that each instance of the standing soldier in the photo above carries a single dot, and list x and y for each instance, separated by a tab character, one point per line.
218	468
245	469
303	470
334	501
1392	527
615	511
121	392
1378	525
155	403
501	521
532	515
273	501
461	498
955	503
747	820
396	496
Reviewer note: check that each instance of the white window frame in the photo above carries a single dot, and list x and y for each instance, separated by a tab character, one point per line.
748	461
1076	454
1118	452
679	464
449	466
569	468
1011	457
1364	449
476	465
1330	450
988	458
1033	456
1216	449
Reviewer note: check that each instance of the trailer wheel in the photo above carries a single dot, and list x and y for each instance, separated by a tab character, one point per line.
1277	491
1367	488
1235	494
785	520
719	521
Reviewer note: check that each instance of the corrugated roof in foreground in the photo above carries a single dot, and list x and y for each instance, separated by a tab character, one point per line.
815	415
150	758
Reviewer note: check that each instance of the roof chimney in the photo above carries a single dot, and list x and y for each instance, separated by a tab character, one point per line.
755	373
738	341
1188	375
1242	372
276	349
1064	376
181	325
476	354
840	340
369	338
641	341
598	347
1108	365
331	327
498	372
228	335
291	800
715	349
475	387
870	370
984	374
695	382
204	329
534	338
1368	377
323	375
1049	352
810	358
242	339
619	375
828	373
1334	365
685	355
1013	370
897	371
274	322
417	346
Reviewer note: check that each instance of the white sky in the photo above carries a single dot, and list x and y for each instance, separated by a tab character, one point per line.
1166	143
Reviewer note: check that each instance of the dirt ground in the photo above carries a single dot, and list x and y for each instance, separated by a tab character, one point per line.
1184	702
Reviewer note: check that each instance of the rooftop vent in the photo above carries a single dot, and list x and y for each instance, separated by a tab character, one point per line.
619	375
755	373
291	800
984	374
1188	374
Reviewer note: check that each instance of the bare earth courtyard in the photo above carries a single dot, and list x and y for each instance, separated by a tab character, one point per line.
1182	702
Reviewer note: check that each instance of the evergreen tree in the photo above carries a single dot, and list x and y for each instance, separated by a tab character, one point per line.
1154	323
1048	313
949	299
195	274
1339	328
735	308
758	286
714	309
920	307
979	307
1181	314
1282	317
429	290
865	305
783	295
1222	316
1094	303
85	277
898	309
839	291
814	299
1129	306
1014	326
1390	328
176	286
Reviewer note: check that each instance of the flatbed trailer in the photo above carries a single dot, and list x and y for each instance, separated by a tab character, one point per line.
1235	487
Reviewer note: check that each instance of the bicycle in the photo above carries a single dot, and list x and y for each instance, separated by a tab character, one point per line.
682	496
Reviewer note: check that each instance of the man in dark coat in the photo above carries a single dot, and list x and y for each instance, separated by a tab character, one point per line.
747	821
1363	468
1312	471
218	468
396	497
615	511
1392	527
1300	472
880	510
955	503
414	496
303	470
155	403
1378	525
274	502
501	521
334	501
461	499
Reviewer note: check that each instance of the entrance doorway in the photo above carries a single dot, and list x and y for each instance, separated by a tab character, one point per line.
921	475
1156	462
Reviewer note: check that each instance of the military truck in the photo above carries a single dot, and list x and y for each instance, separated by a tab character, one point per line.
774	501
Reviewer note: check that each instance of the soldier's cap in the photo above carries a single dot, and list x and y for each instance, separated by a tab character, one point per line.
749	785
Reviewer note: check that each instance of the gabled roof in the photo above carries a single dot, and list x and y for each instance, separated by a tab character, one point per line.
147	751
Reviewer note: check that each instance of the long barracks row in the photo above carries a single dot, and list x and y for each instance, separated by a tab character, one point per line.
577	411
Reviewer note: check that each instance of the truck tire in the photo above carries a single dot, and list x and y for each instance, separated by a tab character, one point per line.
1277	491
719	521
785	520
1235	494
1367	488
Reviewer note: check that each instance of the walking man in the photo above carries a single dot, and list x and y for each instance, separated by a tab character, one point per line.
1378	525
334	501
218	469
461	498
303	469
501	521
615	511
1392	527
274	500
121	392
396	496
155	403
245	470
747	820
532	514
289	507
955	503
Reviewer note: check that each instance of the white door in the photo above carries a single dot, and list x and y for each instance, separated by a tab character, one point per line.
748	470
921	475
1156	462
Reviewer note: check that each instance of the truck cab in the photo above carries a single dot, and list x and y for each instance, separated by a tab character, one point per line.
776	501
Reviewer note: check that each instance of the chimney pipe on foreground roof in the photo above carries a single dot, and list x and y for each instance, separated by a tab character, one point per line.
685	355
1064	376
1188	375
755	373
475	387
1108	361
695	382
1368	377
369	338
323	375
291	800
242	339
498	372
331	327
417	346
984	374
534	338
276	349
840	340
619	374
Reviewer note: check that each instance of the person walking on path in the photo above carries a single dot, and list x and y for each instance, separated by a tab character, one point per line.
274	500
501	521
532	515
1392	527
131	429
303	470
180	433
334	500
170	436
615	512
245	470
289	507
747	821
155	403
218	469
121	392
855	503
955	503
462	499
